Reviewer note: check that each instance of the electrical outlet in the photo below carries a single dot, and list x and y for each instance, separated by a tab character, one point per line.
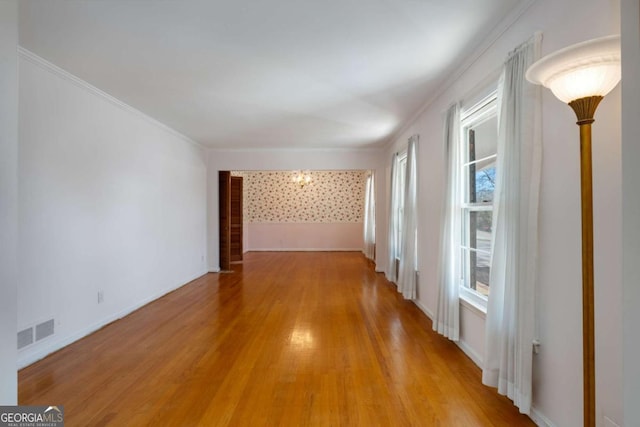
100	297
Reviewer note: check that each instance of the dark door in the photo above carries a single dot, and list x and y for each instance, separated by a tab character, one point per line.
236	218
224	178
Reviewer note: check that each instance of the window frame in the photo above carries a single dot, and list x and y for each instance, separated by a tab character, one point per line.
478	113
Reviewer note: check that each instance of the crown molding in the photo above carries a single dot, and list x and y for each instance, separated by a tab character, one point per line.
78	82
480	50
371	150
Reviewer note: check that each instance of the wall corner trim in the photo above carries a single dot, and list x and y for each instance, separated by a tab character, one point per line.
66	75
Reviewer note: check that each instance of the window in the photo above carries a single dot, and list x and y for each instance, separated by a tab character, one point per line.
369	247
401	178
479	135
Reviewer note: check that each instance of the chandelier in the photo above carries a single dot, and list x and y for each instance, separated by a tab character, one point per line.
302	178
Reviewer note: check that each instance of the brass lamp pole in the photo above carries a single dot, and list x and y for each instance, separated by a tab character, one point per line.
581	75
585	109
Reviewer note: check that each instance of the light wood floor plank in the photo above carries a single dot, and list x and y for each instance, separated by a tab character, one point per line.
291	339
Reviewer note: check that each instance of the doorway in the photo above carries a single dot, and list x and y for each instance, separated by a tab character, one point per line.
236	219
231	220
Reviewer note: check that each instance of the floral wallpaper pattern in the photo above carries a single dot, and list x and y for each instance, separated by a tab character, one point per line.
330	197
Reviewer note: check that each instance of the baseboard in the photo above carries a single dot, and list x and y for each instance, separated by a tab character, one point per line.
55	345
540	419
466	349
536	415
423	308
608	422
470	352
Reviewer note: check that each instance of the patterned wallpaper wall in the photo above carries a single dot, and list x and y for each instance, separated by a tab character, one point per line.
330	197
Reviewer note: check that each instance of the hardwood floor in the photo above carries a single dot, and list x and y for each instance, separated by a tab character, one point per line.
293	339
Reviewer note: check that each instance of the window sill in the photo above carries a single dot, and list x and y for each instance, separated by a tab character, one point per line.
473	302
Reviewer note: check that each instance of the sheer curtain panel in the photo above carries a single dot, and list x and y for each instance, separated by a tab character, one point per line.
408	238
447	316
511	322
370	218
393	220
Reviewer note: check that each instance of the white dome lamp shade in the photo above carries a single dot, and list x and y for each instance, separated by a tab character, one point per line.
581	75
584	70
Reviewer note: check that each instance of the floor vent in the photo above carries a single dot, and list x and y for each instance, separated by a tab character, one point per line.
25	337
42	330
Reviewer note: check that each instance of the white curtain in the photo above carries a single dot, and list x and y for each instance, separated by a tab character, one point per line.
370	218
447	316
393	220
408	239
511	322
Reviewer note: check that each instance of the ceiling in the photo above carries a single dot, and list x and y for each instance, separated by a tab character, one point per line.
265	74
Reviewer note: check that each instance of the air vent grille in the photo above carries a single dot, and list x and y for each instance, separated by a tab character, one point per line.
42	330
25	337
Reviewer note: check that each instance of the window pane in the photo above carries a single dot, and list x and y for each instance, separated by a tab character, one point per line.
483	139
476	271
480	270
484	184
480	228
482	181
481	152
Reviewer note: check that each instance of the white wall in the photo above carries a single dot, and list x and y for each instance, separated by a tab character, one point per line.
8	199
109	201
558	367
279	160
631	207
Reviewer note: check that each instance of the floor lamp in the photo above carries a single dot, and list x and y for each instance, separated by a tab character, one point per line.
581	75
